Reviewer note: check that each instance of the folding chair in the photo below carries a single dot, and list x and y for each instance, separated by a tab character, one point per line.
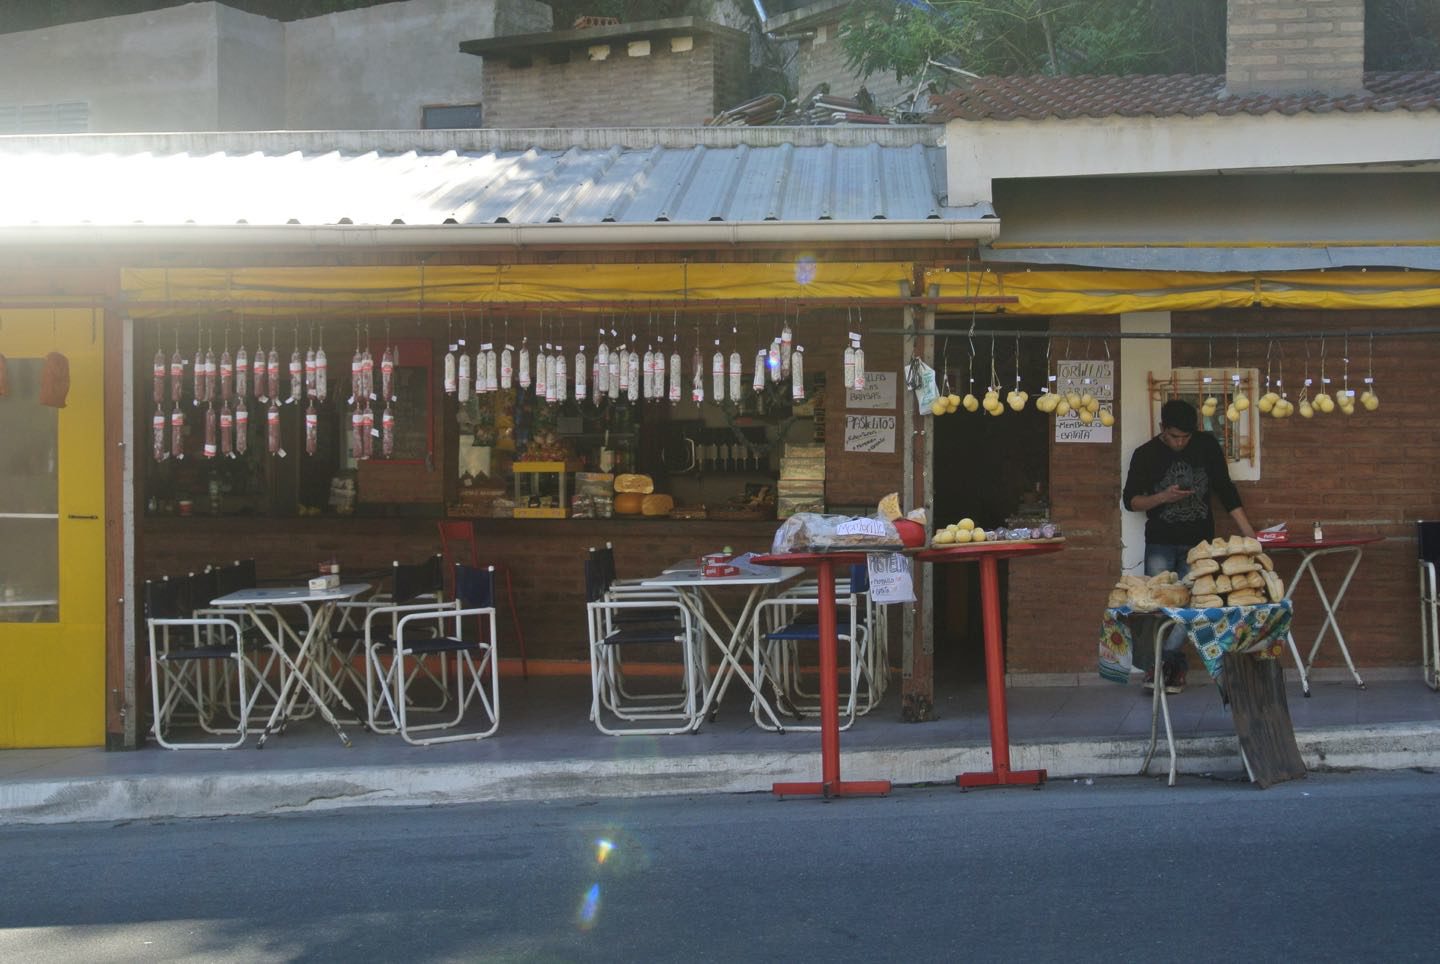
1428	539
782	624
413	583
425	632
617	708
188	656
455	533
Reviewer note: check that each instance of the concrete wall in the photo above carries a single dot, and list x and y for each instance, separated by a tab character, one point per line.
250	77
376	68
205	66
1284	46
145	72
665	86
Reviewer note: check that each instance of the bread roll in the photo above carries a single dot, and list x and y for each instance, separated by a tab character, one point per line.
1202	551
1274	587
1223	584
1118	597
1264	561
1252	546
1256	579
1165	578
1245	597
1206	602
1219	548
1204	586
1236	545
1172	595
1204	567
1235	564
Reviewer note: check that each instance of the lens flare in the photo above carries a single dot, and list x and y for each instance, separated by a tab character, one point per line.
602	850
589	907
804	270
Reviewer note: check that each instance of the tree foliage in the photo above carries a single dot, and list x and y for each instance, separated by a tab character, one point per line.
1092	36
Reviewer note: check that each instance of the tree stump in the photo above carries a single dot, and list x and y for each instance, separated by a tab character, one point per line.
1255	689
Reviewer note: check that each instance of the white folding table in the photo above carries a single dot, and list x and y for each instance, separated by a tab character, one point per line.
306	666
1311	552
694	590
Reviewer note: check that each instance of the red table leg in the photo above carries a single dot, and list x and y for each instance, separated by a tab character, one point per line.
1000	774
830	784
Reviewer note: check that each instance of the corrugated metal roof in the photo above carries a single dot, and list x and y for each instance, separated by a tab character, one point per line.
173	181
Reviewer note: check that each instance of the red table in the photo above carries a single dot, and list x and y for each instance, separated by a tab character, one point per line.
1311	551
988	555
830	784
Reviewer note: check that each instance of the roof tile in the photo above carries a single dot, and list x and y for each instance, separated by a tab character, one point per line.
1168	95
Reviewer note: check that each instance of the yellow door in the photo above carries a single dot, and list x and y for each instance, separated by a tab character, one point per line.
52	532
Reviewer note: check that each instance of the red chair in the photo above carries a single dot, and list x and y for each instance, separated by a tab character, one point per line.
459	533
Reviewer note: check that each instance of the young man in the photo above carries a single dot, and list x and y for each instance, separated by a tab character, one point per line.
1171	479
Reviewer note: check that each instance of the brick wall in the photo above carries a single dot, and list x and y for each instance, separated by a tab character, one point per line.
1289	45
1367	474
662	89
545	557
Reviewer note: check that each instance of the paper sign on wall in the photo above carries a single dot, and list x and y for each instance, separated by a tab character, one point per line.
879	391
1095	378
890	577
869	433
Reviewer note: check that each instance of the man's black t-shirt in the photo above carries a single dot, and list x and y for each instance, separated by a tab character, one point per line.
1201	467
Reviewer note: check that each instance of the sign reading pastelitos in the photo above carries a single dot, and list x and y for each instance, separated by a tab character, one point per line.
890	577
869	433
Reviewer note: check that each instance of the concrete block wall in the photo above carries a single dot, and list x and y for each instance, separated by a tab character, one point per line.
376	68
1295	45
620	84
821	59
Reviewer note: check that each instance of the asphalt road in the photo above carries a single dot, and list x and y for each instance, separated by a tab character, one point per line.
1342	867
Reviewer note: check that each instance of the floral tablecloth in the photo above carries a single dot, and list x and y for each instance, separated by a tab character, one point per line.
1213	632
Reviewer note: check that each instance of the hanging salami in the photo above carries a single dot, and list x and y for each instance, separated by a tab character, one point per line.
758	382
272	372
797	375
177	433
697	377
212	433
367	430
257	369
463	381
157	429
312	429
227	375
322	374
387	433
209	375
367	374
227	430
580	373
451	371
310	372
297	376
675	375
272	429
242	372
158	376
197	378
242	426
717	376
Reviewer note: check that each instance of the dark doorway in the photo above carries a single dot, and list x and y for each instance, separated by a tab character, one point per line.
986	468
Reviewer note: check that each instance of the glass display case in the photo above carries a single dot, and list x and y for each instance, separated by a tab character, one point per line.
540	490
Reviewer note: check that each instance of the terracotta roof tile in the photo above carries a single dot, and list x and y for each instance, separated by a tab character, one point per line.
1168	95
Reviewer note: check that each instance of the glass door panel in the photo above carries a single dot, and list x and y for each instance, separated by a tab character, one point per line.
29	500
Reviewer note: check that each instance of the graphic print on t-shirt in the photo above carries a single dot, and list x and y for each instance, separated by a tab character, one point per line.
1186	476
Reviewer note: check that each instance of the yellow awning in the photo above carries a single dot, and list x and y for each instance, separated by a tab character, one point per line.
159	292
1114	292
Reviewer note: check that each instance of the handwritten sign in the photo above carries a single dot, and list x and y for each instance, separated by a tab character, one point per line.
890	580
869	433
879	391
1095	378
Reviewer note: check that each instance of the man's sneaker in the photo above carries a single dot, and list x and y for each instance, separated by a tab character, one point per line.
1175	680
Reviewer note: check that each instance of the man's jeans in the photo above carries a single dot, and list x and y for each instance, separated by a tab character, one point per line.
1160	558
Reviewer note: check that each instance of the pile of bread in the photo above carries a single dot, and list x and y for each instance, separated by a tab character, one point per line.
1146	593
1232	572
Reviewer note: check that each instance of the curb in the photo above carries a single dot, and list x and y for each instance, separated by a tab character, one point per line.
1390	747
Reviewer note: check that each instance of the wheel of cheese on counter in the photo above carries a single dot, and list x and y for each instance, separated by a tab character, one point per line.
629	503
628	483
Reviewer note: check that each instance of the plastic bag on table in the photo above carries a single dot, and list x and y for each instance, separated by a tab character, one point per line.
812	532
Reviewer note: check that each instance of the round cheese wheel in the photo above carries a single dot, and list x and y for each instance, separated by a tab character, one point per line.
629	503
